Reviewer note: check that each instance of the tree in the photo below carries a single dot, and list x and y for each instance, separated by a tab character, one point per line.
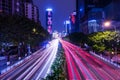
78	38
17	29
102	41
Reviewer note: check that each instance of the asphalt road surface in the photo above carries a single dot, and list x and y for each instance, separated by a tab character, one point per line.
34	67
83	66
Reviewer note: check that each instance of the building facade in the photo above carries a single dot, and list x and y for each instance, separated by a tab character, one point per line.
21	8
92	15
73	22
12	7
31	12
112	10
67	26
6	6
49	16
80	11
18	7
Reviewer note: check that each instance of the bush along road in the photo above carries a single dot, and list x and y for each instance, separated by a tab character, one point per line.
58	69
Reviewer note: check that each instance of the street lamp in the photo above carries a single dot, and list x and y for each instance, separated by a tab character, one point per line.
108	24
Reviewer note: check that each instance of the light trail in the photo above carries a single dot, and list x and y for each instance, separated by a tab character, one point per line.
50	60
39	62
96	68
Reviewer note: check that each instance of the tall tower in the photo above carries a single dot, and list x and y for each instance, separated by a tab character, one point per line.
49	20
80	10
67	26
73	23
11	7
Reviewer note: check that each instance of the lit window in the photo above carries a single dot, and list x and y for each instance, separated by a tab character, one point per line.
17	4
17	9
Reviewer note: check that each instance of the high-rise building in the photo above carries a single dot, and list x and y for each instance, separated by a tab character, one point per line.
49	20
112	10
74	25
89	13
21	8
80	10
29	1
0	6
31	11
18	7
67	27
6	6
11	7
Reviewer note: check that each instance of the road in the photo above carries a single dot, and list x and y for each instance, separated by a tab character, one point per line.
83	66
34	67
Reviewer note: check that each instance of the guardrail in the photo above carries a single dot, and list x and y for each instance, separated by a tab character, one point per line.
109	61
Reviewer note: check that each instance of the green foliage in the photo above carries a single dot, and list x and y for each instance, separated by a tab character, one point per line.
77	38
99	48
101	41
15	29
57	69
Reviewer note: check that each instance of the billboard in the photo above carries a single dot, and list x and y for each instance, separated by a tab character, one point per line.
73	22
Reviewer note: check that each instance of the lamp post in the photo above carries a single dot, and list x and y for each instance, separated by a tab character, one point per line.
108	24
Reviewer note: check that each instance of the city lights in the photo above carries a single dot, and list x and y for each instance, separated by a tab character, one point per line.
107	24
49	20
48	9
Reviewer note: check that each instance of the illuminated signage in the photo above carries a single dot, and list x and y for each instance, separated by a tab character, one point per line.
49	20
73	17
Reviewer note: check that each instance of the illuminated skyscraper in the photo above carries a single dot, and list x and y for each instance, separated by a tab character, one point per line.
73	19
49	20
87	12
67	27
80	10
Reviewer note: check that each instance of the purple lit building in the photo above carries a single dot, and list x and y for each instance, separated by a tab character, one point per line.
113	10
11	7
20	7
91	15
0	6
29	1
31	12
73	23
49	20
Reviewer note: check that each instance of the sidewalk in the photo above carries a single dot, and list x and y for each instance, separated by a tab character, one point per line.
3	62
116	58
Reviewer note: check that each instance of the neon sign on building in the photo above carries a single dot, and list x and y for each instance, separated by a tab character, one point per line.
49	20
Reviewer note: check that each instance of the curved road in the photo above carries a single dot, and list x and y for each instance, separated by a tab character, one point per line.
84	66
35	67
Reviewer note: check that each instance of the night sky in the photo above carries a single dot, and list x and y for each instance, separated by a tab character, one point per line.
61	11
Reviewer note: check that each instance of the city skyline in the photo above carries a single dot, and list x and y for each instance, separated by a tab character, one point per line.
61	11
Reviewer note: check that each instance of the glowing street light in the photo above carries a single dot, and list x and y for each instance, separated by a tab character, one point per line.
34	30
48	9
107	24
